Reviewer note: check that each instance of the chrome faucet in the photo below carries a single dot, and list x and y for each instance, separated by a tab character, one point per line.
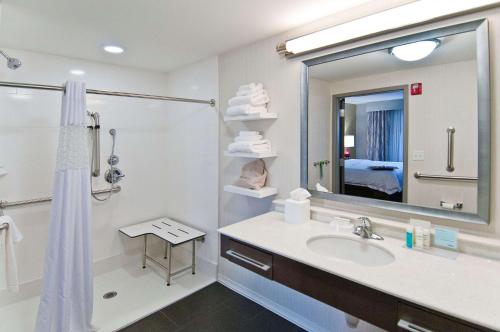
365	229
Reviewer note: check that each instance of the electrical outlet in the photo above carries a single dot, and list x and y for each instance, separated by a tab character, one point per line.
418	155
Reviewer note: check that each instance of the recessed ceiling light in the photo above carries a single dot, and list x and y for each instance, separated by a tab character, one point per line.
415	51
113	49
77	72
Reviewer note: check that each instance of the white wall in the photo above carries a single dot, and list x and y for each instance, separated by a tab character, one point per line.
320	143
259	62
163	146
192	153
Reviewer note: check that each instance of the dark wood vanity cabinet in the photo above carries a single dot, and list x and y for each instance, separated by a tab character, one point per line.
378	308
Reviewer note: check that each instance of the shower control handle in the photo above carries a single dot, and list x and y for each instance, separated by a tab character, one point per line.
113	176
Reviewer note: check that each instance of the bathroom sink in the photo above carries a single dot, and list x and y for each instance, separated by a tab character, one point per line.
359	251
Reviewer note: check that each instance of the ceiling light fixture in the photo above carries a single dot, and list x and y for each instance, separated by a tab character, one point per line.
415	51
77	72
114	49
412	13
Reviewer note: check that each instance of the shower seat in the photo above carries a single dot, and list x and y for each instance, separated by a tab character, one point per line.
173	233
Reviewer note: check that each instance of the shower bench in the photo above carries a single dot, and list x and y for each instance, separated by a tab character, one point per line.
173	233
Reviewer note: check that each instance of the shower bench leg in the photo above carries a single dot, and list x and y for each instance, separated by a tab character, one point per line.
144	256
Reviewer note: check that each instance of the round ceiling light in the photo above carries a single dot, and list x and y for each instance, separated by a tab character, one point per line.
415	51
77	72
114	49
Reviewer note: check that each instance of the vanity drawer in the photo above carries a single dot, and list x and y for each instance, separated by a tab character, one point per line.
249	257
417	319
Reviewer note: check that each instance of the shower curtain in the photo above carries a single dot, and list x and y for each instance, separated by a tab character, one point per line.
67	294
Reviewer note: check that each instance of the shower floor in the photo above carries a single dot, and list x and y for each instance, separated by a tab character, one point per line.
140	293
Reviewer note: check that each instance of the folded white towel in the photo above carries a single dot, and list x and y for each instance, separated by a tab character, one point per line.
250	92
245	109
251	147
258	99
248	138
9	236
249	88
248	133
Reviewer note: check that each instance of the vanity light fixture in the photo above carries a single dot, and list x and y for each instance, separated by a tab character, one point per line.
390	20
415	51
114	49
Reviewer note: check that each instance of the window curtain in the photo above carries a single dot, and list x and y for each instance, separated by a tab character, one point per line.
384	135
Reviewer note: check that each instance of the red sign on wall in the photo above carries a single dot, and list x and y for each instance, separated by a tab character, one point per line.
416	89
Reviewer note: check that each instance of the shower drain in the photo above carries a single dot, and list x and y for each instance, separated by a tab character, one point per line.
109	295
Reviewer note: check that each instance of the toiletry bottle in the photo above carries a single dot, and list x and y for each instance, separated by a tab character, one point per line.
419	237
427	238
409	236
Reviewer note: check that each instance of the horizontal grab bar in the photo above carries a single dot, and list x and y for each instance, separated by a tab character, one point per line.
5	204
419	175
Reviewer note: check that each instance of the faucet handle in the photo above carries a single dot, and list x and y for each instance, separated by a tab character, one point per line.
366	222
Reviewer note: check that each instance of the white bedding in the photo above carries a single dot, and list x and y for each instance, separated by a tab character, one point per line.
358	173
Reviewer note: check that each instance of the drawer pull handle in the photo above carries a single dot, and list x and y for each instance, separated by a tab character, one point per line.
407	326
248	260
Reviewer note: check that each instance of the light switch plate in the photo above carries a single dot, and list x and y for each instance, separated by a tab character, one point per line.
418	155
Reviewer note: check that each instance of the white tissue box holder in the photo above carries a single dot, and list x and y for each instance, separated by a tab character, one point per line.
297	212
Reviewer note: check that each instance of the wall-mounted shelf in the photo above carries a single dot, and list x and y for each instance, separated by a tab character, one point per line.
250	155
261	193
251	117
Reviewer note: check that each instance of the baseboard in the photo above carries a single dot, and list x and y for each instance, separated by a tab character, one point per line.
278	309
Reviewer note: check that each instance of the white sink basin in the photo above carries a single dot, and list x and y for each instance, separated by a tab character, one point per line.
360	251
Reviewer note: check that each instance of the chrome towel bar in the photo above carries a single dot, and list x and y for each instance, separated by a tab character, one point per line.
5	204
419	175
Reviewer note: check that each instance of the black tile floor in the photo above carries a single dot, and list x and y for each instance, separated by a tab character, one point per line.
214	308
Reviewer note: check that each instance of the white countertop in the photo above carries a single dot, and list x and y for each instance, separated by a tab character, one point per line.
467	287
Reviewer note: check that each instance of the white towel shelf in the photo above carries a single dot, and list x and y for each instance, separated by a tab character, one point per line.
250	155
261	193
251	117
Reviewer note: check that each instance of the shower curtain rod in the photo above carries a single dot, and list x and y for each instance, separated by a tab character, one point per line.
210	102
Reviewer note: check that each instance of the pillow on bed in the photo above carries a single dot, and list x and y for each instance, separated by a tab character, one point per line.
382	167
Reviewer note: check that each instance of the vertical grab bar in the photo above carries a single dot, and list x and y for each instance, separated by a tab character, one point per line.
451	132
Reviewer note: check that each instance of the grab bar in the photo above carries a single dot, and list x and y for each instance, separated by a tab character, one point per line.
451	131
419	175
5	204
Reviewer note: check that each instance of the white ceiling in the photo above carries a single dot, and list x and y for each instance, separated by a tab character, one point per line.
453	48
382	96
158	35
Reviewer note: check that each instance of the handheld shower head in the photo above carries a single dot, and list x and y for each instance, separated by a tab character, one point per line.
112	132
12	63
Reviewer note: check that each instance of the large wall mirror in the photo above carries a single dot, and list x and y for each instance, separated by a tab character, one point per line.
402	124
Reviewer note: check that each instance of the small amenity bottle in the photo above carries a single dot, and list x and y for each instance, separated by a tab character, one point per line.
409	236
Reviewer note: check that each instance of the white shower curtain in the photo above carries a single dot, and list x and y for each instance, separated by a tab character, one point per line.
67	295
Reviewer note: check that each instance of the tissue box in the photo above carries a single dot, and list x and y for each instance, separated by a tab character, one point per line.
297	212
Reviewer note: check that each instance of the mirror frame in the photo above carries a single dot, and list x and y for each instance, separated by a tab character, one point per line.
484	131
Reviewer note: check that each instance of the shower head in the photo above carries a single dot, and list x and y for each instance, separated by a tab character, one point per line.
12	63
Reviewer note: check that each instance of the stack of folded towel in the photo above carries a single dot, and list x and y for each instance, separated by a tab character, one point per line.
250	99
250	142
